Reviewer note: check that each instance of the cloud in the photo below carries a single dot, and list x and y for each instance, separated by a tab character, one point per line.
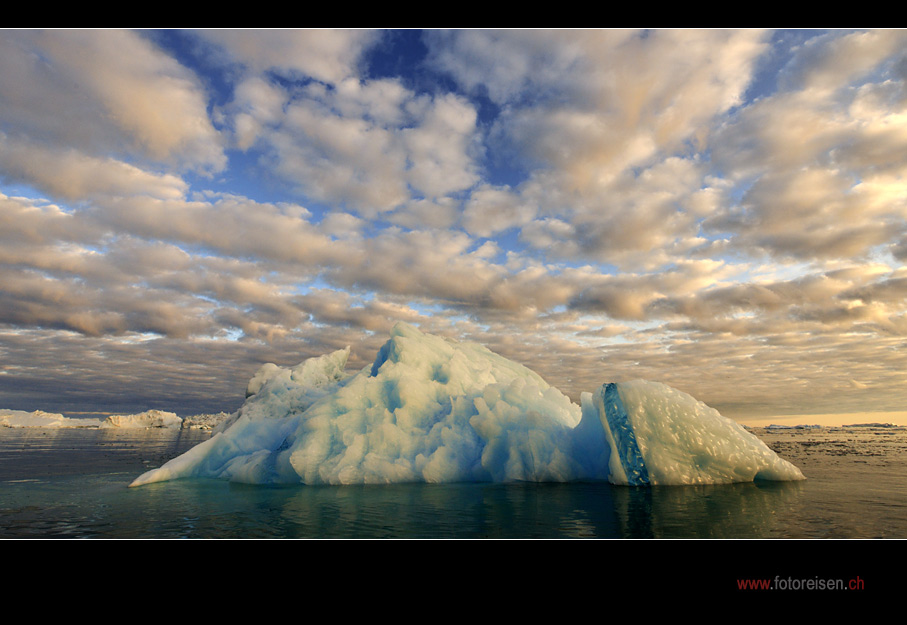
335	159
817	213
371	146
325	55
599	205
35	222
104	92
441	150
257	105
73	175
602	91
228	225
648	219
831	61
818	163
491	210
423	214
599	118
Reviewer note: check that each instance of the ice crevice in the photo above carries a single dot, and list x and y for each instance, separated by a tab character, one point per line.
430	409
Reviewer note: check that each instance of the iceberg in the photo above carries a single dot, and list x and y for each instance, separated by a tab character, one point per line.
207	421
143	420
147	419
40	419
660	435
431	409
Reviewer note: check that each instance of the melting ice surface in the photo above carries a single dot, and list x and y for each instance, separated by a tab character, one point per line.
429	409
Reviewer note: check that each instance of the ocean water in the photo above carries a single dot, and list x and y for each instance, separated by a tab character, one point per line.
73	483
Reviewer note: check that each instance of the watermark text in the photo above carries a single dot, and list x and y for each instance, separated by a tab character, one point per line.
801	583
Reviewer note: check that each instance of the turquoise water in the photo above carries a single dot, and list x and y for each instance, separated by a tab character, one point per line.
73	484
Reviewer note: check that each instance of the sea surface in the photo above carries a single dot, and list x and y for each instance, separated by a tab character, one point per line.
73	483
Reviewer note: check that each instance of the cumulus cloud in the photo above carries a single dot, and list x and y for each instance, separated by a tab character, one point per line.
257	105
419	214
599	205
593	114
648	219
73	175
818	162
491	210
371	146
594	94
828	62
325	55
106	91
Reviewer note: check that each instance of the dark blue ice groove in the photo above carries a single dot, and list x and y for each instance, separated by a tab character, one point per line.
624	437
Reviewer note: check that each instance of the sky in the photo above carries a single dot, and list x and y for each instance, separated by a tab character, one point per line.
719	210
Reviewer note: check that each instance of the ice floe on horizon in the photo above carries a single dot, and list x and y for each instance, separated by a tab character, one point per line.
143	420
430	409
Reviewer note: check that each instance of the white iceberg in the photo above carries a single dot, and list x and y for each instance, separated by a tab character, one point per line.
143	420
429	409
659	435
147	419
207	421
41	419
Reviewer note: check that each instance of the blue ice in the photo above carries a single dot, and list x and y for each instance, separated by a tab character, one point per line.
430	409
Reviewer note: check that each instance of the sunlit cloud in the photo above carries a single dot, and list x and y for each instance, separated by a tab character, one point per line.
720	210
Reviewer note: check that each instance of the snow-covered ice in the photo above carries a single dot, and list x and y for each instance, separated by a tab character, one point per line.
41	419
142	420
208	421
147	419
660	435
430	409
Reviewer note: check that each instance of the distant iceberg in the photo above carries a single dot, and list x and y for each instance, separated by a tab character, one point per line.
143	420
41	419
147	419
430	409
207	421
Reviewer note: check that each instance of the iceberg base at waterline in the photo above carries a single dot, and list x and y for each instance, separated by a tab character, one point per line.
434	410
